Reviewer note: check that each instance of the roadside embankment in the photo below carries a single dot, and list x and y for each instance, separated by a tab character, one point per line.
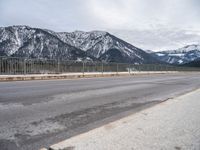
74	75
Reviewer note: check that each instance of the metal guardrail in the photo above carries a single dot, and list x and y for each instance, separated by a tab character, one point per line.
14	65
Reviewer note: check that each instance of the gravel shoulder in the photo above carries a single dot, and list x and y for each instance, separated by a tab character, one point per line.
173	124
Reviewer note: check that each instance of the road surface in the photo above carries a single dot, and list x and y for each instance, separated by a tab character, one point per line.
171	125
35	114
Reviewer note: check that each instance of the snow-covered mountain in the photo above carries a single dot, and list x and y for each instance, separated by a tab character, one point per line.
24	41
180	56
104	46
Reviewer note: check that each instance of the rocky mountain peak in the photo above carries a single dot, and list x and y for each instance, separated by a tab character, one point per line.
24	41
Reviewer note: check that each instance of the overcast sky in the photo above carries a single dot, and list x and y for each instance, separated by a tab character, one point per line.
148	24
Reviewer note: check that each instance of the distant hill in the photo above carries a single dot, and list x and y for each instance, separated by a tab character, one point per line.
180	56
195	63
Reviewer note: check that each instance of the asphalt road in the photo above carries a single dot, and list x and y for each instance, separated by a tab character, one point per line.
35	114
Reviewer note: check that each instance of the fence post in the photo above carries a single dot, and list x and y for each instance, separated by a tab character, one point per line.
58	66
102	67
117	68
83	69
129	69
139	67
1	66
24	66
11	66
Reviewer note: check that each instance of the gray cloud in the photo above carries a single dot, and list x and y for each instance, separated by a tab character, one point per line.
159	39
152	24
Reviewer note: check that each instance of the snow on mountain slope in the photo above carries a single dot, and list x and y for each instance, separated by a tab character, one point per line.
24	41
101	44
180	56
87	40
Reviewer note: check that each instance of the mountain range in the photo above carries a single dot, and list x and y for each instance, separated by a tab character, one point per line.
180	56
24	41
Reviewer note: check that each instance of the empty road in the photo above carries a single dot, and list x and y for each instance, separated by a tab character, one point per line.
35	114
